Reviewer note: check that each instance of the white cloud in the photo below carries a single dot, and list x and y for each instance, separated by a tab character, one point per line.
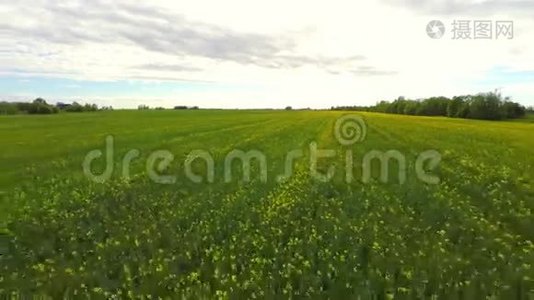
300	53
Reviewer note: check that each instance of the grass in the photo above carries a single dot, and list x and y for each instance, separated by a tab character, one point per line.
468	236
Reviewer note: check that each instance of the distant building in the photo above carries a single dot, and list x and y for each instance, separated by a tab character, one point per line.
62	105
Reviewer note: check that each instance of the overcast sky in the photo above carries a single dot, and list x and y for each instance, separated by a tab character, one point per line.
242	53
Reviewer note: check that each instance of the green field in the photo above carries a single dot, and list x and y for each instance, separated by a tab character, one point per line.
470	236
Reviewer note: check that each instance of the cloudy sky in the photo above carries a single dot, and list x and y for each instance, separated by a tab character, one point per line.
239	53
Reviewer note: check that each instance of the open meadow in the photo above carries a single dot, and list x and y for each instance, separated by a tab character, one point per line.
166	222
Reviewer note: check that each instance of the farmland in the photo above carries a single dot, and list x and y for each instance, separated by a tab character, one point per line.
469	236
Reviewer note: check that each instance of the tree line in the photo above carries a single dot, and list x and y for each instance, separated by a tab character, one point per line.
40	106
484	106
179	107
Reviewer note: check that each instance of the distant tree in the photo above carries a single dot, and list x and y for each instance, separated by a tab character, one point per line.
463	112
434	106
75	107
410	107
488	106
288	108
44	109
180	107
90	107
485	106
23	106
392	107
398	106
512	110
454	106
39	106
382	106
7	108
39	101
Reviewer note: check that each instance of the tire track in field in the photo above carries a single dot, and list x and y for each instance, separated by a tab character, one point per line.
275	154
235	216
